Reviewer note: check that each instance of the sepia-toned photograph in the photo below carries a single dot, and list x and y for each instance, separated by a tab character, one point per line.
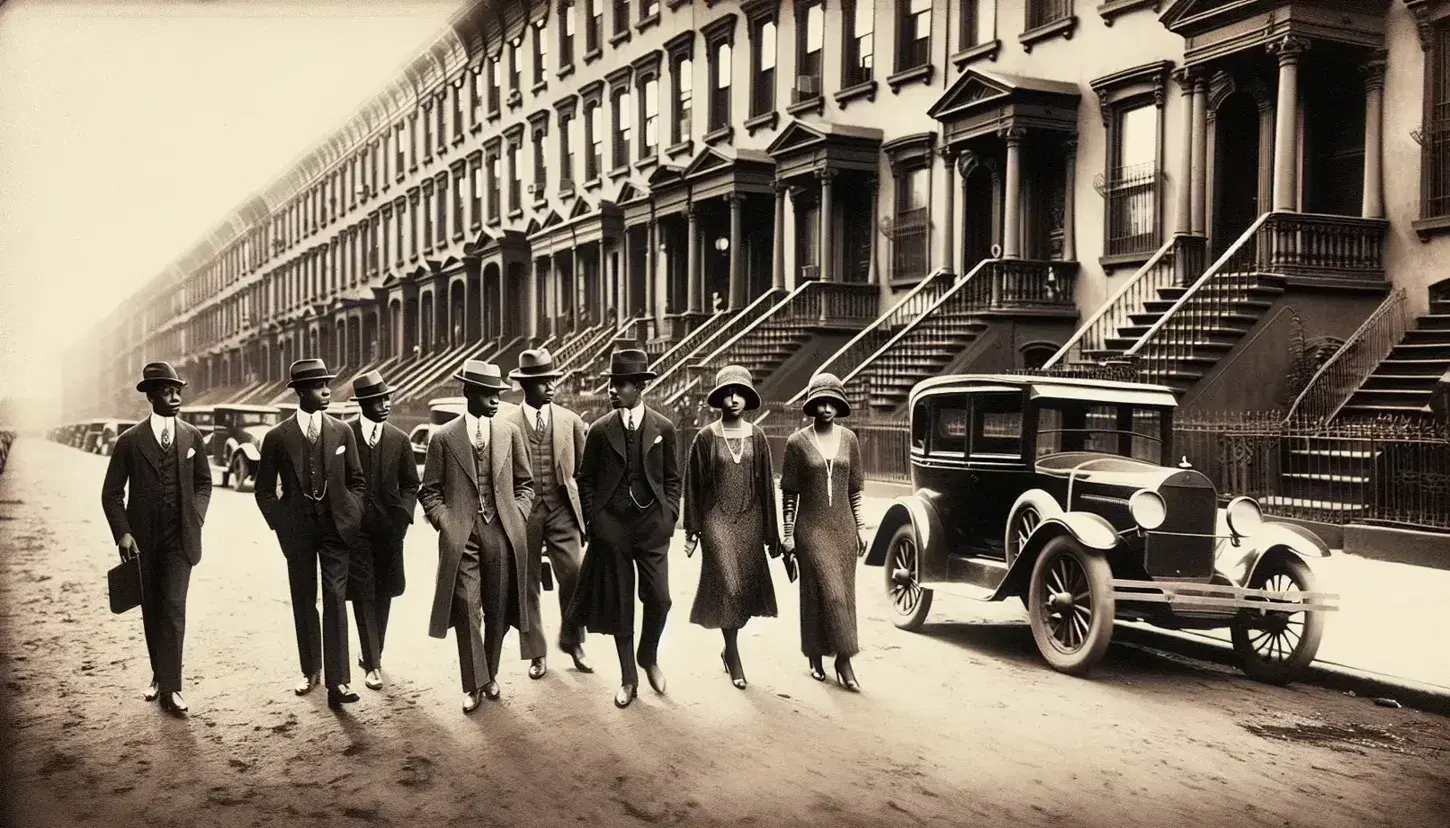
848	413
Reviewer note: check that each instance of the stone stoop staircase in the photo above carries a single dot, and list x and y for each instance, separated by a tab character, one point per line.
925	351
1403	382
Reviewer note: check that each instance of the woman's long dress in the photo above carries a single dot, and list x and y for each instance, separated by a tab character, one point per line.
732	507
825	539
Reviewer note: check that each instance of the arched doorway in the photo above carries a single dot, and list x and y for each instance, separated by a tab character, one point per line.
492	301
979	220
1236	169
457	310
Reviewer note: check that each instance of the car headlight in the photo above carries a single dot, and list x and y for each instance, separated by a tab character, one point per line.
1147	509
1244	515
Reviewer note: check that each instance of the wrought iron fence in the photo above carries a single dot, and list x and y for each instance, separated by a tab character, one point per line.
910	237
1091	338
1132	195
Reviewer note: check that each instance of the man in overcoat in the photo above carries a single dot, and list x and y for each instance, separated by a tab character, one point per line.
629	486
477	491
392	493
161	464
555	439
317	520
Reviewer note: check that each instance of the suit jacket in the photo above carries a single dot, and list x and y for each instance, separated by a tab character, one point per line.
284	450
569	434
449	496
604	463
135	466
397	481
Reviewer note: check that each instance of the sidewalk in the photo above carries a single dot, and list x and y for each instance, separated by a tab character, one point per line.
1388	621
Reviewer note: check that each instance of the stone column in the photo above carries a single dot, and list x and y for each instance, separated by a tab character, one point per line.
694	274
828	206
1374	87
605	285
738	287
555	294
621	275
657	285
1184	189
947	257
531	303
1069	207
777	259
1012	208
1286	123
1199	147
876	275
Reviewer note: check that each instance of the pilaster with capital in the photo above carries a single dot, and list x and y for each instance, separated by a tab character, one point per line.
1289	50
827	178
1373	202
946	258
1012	199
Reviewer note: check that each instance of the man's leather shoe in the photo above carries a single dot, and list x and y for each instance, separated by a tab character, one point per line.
625	695
656	677
173	703
373	680
472	700
340	695
152	692
581	662
539	668
306	684
491	691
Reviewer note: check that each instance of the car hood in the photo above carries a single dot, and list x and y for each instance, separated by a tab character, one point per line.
1104	469
253	434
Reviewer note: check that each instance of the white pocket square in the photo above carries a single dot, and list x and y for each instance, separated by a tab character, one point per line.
190	453
658	438
340	449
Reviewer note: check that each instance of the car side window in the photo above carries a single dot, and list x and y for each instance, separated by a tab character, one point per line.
920	426
949	426
997	425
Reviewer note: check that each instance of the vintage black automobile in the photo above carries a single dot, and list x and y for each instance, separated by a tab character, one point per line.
1062	492
235	442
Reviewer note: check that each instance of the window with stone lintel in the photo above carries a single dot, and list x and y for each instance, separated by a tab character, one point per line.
1131	104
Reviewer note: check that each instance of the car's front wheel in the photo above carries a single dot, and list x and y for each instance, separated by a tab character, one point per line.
1276	647
1070	605
909	599
238	472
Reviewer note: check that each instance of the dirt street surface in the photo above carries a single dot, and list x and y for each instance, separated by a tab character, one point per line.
961	724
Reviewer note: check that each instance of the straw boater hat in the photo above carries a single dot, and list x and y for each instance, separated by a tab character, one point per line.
370	386
308	370
827	387
535	365
485	374
734	377
158	372
630	363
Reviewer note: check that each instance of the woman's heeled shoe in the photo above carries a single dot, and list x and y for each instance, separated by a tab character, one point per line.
738	681
817	671
846	677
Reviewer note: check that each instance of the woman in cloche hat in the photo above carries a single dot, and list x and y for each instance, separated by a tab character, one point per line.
821	486
730	515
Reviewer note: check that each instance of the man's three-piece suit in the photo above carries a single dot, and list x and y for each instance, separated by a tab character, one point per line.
377	575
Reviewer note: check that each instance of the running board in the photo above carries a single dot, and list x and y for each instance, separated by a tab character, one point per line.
1222	595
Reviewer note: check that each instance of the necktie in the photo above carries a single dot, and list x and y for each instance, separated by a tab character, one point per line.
311	428
628	420
373	436
539	420
165	436
478	434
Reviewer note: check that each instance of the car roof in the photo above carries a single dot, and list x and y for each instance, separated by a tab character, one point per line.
1052	387
203	407
437	402
264	409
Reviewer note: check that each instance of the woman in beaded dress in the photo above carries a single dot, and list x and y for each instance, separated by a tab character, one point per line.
821	485
730	516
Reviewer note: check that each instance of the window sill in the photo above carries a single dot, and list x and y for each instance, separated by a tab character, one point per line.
593	55
593	183
765	120
865	90
1111	10
495	222
402	177
565	71
815	105
647	23
923	73
972	54
539	88
515	99
516	213
475	226
1064	27
476	128
1119	260
494	115
718	136
413	168
1426	228
619	172
619	37
457	139
540	203
675	4
646	163
458	237
682	148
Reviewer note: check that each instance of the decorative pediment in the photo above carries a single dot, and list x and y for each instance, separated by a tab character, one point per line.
665	175
709	159
532	227
553	219
981	103
1238	24
795	137
1180	10
972	89
627	193
580	209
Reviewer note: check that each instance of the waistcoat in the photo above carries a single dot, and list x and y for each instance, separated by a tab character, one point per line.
314	475
483	469
170	472
541	455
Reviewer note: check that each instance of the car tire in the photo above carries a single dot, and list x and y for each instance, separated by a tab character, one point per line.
910	601
1074	641
1284	572
238	471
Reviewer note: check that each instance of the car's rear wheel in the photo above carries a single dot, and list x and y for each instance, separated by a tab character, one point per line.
910	601
1276	647
1070	606
238	472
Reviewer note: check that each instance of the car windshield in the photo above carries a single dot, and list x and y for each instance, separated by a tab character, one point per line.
1126	430
241	419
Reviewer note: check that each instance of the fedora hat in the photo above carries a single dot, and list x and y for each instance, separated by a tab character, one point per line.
155	372
734	376
535	364
478	372
630	363
827	387
370	386
308	370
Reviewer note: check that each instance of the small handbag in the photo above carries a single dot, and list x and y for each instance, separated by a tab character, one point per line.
546	575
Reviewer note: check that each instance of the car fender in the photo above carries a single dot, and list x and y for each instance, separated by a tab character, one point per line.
249	451
1093	532
917	511
1239	563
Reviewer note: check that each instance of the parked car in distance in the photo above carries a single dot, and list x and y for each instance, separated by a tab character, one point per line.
110	430
440	411
199	416
88	436
236	440
1061	492
342	410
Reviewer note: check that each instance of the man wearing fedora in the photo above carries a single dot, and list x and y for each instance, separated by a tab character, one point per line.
555	438
317	520
392	493
477	491
169	483
629	485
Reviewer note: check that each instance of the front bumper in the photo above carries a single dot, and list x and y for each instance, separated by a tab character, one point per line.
1221	596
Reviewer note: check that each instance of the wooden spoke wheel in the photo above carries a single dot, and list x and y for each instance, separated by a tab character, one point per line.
910	601
1070	606
1276	647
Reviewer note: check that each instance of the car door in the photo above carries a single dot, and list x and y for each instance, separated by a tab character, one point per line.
996	469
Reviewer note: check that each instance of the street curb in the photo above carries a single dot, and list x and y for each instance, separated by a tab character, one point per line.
1426	697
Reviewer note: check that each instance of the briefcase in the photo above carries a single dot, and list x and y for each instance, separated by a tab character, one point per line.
546	575
125	585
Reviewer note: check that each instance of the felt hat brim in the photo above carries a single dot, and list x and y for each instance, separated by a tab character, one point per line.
716	398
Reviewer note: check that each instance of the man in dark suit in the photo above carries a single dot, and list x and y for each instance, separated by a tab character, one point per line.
392	492
555	437
477	492
317	521
169	480
629	485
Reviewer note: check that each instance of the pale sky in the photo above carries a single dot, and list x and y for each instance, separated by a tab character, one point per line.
129	128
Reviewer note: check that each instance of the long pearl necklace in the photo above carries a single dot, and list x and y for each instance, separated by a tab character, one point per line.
830	466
